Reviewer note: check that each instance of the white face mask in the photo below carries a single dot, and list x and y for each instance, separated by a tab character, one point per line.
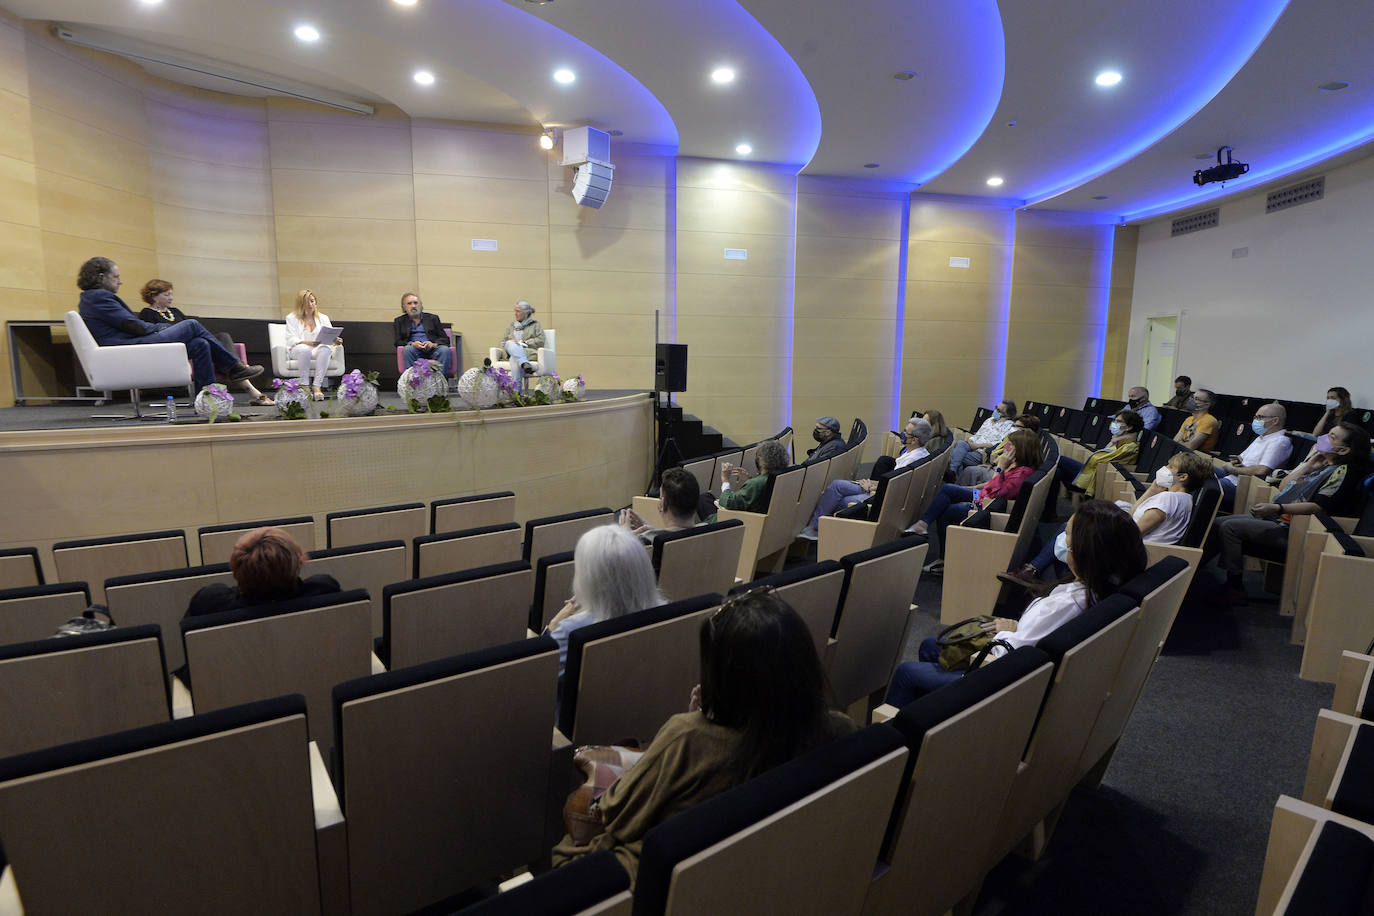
1061	547
1117	427
1164	477
1332	405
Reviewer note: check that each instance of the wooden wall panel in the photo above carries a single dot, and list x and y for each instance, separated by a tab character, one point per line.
736	316
954	333
1114	383
474	183
1058	316
22	276
343	207
849	254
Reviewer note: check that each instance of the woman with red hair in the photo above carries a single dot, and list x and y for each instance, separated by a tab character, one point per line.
266	564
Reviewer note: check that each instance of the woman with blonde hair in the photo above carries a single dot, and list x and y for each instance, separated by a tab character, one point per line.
303	325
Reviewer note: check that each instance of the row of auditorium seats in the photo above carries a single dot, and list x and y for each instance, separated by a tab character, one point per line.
1320	856
416	811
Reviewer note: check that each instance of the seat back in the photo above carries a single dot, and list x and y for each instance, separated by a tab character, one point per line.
1026	512
746	458
609	693
53	691
161	598
304	646
83	342
36	611
403	522
698	560
452	551
784	438
594	885
813	484
722	458
966	742
1336	612
454	613
782	511
217	541
1206	501
701	468
371	567
891	503
19	567
813	591
432	812
1087	653
214	809
1334	871
559	533
94	560
462	513
875	609
553	578
801	838
1159	593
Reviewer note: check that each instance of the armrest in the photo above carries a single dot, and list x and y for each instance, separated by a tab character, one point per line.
1289	834
646	507
753	537
1330	740
884	713
997	521
842	536
10	904
377	666
1352	674
973	558
331	838
182	705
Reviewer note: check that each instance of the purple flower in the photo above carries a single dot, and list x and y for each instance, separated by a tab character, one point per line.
219	391
292	386
422	369
352	384
504	381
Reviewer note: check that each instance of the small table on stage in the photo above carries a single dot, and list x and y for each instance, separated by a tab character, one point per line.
44	367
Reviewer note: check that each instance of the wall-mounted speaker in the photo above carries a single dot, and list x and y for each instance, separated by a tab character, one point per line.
589	151
670	367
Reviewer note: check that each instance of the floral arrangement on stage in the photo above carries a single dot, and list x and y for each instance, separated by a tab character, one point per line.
423	388
290	398
488	387
356	394
574	389
215	401
479	388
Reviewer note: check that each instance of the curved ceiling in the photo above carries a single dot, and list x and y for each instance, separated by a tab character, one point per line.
814	86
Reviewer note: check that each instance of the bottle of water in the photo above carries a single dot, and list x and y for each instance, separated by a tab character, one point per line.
171	409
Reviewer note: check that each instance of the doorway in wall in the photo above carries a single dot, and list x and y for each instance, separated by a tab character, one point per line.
1161	356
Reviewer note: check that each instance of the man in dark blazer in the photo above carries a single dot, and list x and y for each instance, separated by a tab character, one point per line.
422	335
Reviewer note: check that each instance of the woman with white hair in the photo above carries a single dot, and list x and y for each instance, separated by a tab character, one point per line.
523	336
612	576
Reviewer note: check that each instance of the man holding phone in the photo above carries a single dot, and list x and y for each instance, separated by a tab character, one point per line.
1269	450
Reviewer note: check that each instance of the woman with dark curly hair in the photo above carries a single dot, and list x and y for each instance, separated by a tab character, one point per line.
158	295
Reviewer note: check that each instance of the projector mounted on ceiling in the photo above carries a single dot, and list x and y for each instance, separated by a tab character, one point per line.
1222	171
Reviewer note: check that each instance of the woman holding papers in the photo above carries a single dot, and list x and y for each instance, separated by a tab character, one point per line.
309	335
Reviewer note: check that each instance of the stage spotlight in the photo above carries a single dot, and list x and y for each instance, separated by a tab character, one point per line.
1222	171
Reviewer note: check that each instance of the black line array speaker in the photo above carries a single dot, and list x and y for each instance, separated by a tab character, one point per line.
670	367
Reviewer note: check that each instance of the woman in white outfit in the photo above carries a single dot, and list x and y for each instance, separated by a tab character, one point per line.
302	326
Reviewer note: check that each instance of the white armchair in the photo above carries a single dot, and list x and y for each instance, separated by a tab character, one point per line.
135	366
284	364
546	363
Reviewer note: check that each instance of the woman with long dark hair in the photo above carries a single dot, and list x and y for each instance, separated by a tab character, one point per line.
1102	548
761	702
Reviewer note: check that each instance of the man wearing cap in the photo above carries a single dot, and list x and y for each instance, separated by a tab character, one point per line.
523	335
1138	399
827	434
422	334
842	493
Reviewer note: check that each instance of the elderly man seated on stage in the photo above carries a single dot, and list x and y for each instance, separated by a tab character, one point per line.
112	323
422	335
523	335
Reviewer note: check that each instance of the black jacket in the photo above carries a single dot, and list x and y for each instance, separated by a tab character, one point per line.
434	329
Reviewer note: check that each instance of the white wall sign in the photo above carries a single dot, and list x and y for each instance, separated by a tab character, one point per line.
737	254
959	262
484	244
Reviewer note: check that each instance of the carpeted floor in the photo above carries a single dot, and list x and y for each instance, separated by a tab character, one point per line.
1181	820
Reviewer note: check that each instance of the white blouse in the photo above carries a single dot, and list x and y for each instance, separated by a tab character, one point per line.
296	330
1044	616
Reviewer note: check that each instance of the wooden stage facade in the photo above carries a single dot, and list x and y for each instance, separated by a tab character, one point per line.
63	484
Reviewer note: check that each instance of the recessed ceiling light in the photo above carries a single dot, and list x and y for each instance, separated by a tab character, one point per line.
1011	123
1334	86
564	76
903	76
871	165
744	149
150	2
1108	78
404	2
1099	197
722	75
307	33
994	182
616	133
424	77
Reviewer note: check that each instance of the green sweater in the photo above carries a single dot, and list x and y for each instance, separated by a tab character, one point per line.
750	497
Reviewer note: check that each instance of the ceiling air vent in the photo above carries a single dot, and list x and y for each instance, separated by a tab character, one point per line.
1195	223
1303	193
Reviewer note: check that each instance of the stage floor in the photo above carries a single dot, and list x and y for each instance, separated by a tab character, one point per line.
78	415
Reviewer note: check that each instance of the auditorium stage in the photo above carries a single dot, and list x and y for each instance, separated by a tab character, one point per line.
78	478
